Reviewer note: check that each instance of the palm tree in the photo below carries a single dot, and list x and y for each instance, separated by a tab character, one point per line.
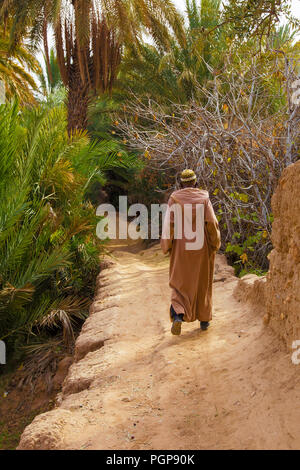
50	81
13	69
89	37
175	74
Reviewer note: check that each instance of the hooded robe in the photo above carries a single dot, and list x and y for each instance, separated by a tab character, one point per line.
191	270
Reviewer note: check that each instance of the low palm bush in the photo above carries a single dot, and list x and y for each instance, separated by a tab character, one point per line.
49	252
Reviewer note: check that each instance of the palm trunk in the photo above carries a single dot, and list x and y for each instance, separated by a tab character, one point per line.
85	69
78	100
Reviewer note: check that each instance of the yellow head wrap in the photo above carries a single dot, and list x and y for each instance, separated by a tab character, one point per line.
187	175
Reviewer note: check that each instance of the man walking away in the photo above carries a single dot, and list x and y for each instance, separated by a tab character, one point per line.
190	214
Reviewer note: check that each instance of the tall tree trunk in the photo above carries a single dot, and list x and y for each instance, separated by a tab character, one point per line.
86	69
78	100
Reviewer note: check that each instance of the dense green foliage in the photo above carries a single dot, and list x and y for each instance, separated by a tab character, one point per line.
174	75
16	68
49	253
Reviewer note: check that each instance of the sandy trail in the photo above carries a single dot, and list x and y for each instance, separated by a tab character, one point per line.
231	387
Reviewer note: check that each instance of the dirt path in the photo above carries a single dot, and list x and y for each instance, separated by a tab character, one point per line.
231	387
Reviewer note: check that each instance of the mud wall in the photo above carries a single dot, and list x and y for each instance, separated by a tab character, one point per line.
283	278
277	295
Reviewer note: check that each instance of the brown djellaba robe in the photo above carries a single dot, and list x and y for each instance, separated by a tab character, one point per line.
191	271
